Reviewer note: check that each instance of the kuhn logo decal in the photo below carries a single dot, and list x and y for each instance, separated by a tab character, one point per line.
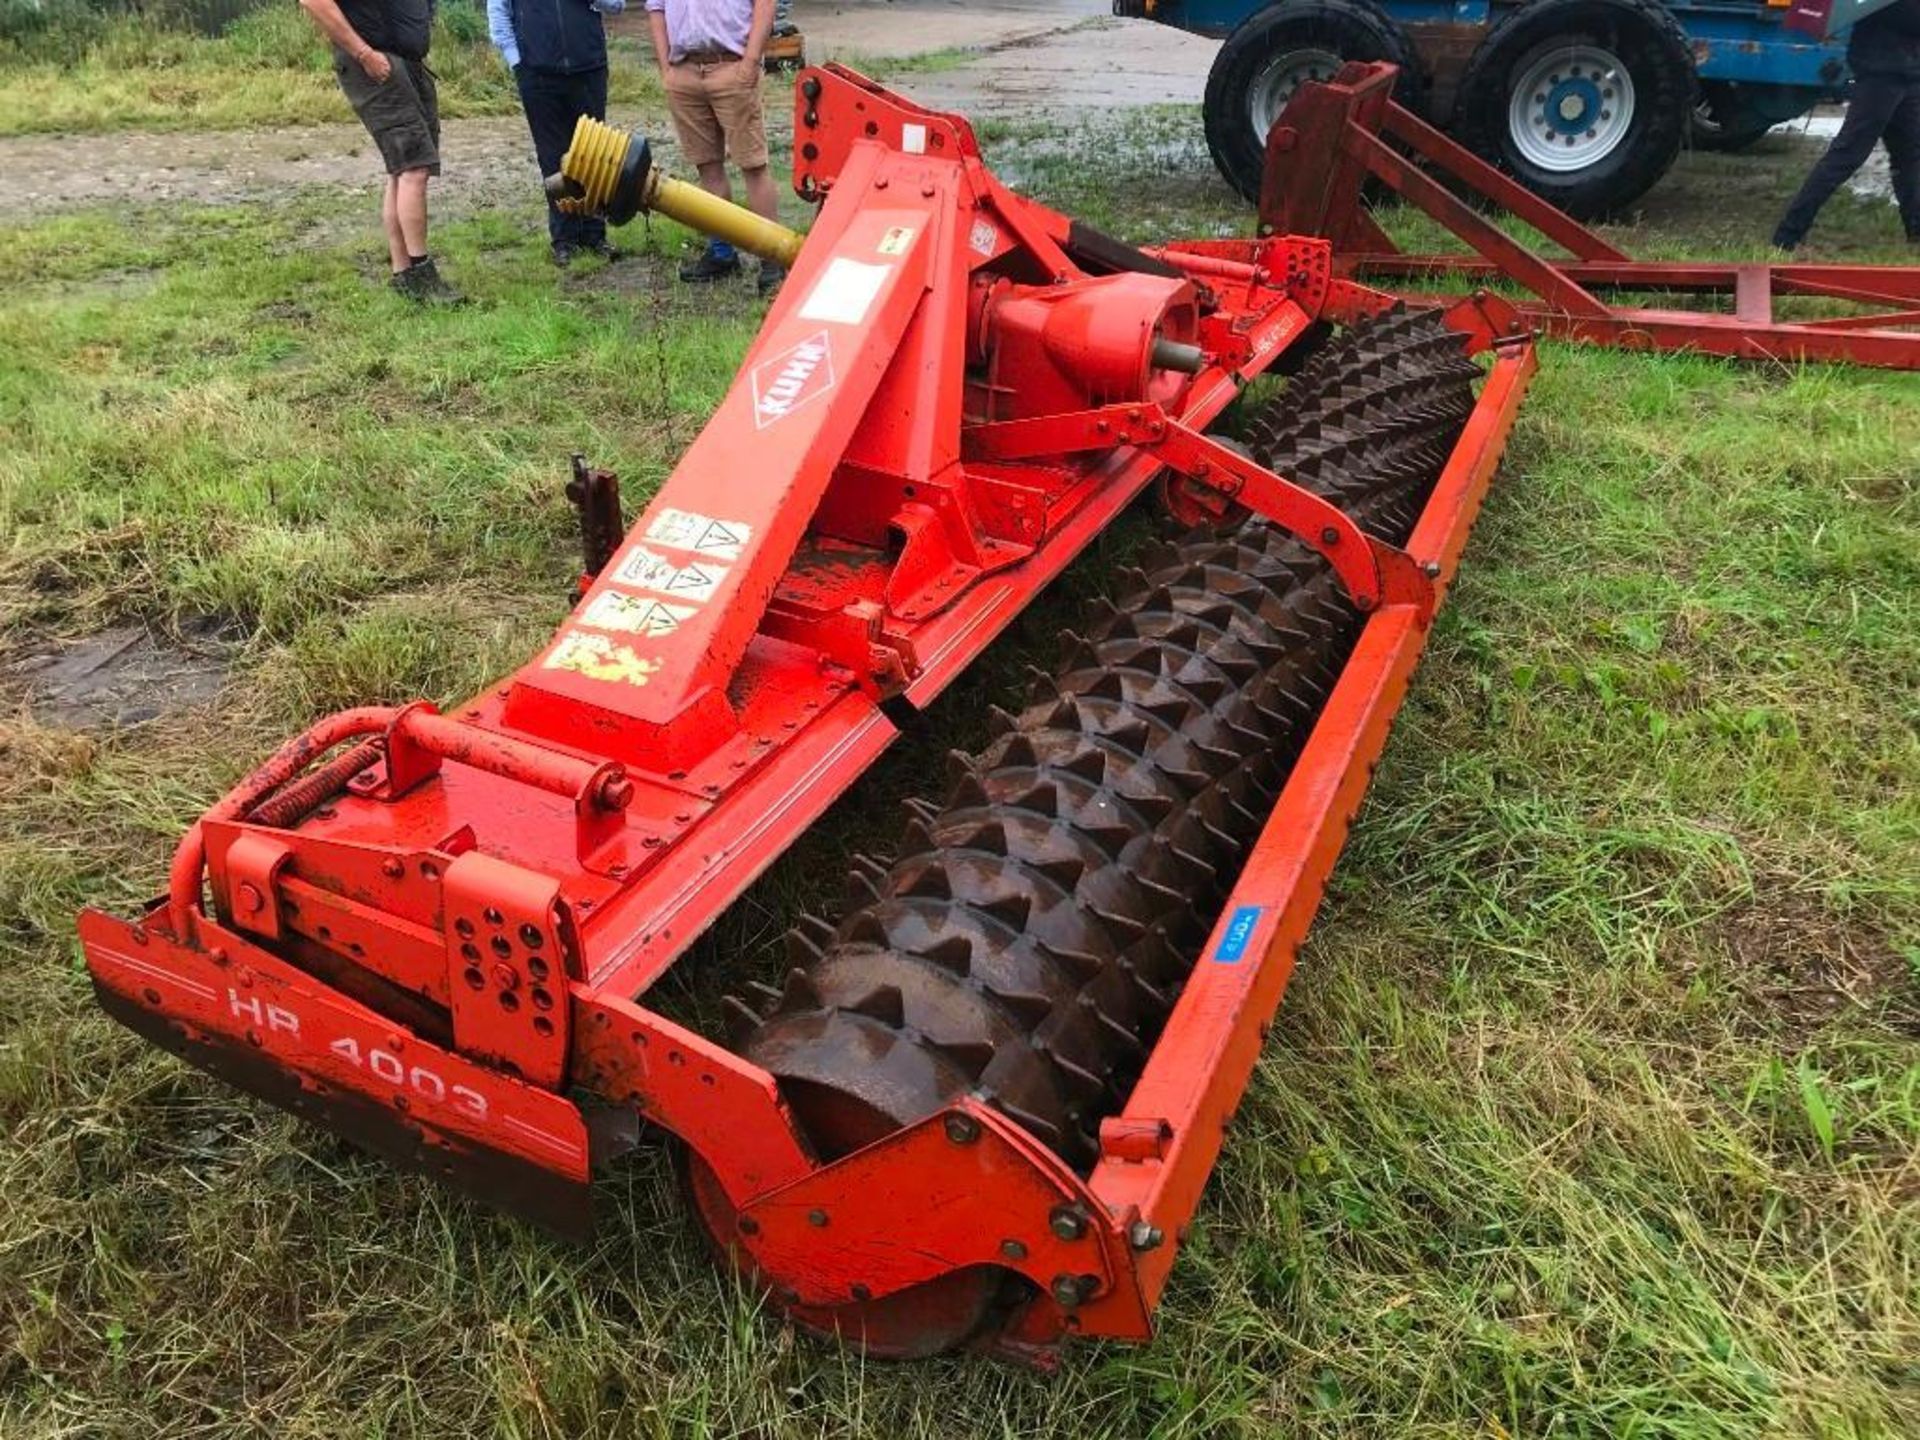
797	375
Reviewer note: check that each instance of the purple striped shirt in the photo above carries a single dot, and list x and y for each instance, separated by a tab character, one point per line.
695	25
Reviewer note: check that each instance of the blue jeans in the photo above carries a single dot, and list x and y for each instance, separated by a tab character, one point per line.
554	101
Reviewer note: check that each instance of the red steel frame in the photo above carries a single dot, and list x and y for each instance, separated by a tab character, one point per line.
1334	136
435	941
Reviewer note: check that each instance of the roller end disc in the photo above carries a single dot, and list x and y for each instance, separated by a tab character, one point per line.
850	1082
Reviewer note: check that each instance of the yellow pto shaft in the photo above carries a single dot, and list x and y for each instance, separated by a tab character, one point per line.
610	173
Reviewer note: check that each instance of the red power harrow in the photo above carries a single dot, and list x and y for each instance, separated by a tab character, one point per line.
985	1103
1337	136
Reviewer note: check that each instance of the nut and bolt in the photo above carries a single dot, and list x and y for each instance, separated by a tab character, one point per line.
616	791
962	1129
817	1218
1143	1236
1013	1249
1069	1290
252	902
1068	1222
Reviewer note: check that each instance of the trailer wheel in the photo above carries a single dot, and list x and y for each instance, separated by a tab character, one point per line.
1585	102
1733	116
1264	61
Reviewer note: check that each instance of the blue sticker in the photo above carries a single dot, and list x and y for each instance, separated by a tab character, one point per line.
1239	932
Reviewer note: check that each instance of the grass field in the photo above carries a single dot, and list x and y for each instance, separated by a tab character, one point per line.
1594	1109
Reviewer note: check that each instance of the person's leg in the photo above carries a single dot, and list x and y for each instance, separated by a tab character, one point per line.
589	97
550	119
762	198
1871	106
1903	150
390	218
410	210
744	120
703	146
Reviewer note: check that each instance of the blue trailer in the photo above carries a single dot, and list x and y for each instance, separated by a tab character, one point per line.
1586	102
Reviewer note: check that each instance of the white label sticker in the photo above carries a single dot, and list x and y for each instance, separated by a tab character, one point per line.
843	294
983	237
692	584
688	530
784	382
913	139
634	614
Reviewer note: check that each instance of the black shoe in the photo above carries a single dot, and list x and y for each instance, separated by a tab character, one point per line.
707	267
563	253
771	277
606	250
420	282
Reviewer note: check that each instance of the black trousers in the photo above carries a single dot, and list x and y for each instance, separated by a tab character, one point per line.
554	102
1881	108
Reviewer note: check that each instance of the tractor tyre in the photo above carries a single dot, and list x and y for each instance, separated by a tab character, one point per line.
1270	54
1726	120
1585	102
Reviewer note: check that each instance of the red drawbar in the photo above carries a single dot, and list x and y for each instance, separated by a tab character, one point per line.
1335	136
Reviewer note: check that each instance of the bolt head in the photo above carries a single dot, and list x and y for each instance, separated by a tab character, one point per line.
1013	1249
1143	1236
251	900
1067	1291
506	977
1067	1222
816	1218
962	1129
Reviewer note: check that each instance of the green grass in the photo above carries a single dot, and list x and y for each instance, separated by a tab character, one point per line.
1593	1109
269	68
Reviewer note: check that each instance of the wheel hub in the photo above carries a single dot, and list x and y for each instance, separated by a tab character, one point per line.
1571	106
1274	86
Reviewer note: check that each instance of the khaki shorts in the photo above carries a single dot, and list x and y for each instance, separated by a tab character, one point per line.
715	105
401	113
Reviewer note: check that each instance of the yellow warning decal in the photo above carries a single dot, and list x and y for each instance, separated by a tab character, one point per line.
598	658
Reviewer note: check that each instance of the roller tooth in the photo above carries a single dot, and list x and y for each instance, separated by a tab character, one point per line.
1029	1009
815	929
863	927
951	952
1107	686
1027	1120
1011	909
988	835
922	809
1125	926
864	891
1079	963
883	1003
967	793
1065	715
1089	764
972	1057
1001	722
802	949
1019	752
1089	1083
929	882
739	1018
1041	799
768	995
1102	610
798	993
917	838
1064	872
1040	682
870	867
